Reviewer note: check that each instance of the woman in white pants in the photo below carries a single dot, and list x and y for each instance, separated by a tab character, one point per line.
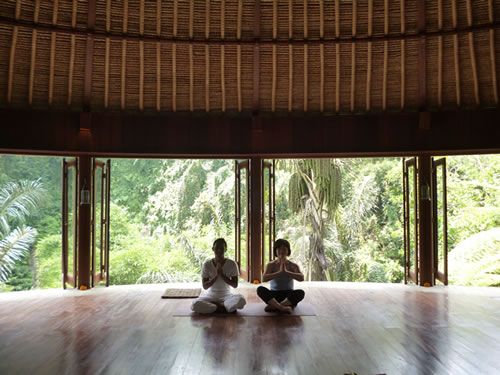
217	275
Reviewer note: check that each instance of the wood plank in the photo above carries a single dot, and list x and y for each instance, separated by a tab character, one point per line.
361	328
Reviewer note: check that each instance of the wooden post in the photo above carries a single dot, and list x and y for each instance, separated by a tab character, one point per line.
426	261
84	222
255	219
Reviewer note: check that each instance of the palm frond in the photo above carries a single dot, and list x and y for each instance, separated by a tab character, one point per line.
13	248
19	200
476	260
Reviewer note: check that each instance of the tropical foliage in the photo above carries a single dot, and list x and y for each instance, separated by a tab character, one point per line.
343	218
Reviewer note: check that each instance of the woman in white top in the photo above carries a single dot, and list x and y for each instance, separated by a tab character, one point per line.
217	275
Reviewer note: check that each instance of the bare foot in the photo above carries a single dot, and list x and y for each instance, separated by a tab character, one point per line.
286	309
269	309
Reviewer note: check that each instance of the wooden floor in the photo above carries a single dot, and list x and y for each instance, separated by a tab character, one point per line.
361	328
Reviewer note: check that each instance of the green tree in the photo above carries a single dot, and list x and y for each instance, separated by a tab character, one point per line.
315	190
17	202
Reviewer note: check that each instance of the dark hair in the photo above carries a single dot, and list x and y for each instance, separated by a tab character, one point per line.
220	240
279	243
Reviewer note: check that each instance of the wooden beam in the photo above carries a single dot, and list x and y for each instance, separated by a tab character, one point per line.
141	56
275	36
256	57
177	135
158	56
233	42
455	52
321	56
53	38
491	18
124	55
290	56
353	74
422	58
207	56
222	54
12	56
191	63
238	53
89	55
369	57
34	34
473	54
74	10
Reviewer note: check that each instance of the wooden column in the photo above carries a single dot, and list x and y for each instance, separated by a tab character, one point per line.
426	263
255	234
84	223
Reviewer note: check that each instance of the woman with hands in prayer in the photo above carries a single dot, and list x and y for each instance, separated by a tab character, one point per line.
281	273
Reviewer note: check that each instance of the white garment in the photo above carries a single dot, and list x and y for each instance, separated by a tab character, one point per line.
219	293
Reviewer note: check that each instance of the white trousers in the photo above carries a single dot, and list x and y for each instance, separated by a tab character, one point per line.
207	304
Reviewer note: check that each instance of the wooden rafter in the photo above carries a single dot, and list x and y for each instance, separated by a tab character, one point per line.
191	63
472	53
256	57
440	54
353	54
33	52
53	38
12	57
275	35
106	55
403	52
89	55
290	56
174	58
238	52
72	53
141	56
369	57
337	56
455	52
422	78
222	54
386	53
306	57
491	18
158	56
321	57
207	56
124	55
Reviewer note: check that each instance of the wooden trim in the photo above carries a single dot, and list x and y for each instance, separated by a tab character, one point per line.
337	19
472	53
53	39
178	135
440	71
354	17
240	16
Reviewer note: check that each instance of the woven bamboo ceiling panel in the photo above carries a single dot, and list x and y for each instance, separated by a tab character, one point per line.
330	56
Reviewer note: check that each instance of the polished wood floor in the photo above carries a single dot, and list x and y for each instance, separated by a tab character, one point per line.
361	328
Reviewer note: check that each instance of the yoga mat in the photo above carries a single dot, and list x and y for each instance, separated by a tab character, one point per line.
250	309
181	293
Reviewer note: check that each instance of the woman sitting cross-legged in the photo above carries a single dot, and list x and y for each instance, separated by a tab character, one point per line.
217	275
281	272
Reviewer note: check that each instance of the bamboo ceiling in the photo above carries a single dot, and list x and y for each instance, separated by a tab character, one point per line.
331	56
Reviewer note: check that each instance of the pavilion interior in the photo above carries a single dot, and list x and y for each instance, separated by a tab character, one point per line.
251	80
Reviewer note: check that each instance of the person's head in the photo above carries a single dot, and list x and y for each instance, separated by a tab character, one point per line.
282	248
219	247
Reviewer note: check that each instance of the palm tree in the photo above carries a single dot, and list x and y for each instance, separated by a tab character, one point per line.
17	202
315	190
